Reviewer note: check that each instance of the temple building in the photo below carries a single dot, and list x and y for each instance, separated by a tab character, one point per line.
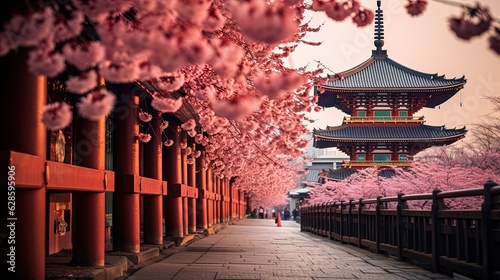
382	97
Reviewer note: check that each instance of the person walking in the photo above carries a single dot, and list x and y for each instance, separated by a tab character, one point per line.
261	213
295	214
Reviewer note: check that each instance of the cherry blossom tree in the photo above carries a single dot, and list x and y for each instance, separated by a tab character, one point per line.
224	56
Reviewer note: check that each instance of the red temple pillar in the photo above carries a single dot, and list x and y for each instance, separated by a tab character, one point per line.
153	204
231	202
218	203
210	185
23	98
192	200
185	208
174	225
89	207
126	203
201	184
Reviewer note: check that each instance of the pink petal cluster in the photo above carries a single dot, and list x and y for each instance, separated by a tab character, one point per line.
470	25
266	22
416	7
82	83
163	125
57	115
84	56
363	17
168	143
96	105
236	107
42	62
189	125
277	84
144	137
165	104
145	116
171	82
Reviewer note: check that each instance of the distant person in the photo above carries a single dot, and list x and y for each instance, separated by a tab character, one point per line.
261	213
286	214
295	214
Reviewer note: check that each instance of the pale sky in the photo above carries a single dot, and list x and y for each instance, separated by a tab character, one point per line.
423	43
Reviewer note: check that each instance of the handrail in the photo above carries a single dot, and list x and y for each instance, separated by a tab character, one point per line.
383	119
448	240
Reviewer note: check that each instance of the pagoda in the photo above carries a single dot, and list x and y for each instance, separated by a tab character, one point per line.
381	97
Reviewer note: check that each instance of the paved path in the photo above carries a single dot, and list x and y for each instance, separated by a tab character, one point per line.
257	249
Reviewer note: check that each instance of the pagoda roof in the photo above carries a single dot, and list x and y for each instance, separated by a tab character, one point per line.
343	173
358	133
380	73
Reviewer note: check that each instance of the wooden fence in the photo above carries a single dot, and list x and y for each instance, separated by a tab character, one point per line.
466	242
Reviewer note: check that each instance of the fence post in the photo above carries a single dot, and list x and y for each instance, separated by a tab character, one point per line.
378	224
487	229
342	207
329	215
350	222
360	208
401	205
437	204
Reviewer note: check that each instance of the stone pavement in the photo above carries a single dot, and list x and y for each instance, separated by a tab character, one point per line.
258	249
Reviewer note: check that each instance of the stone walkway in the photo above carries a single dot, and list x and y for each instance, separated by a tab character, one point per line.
257	249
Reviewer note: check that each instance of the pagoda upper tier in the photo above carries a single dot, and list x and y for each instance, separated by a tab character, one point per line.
382	79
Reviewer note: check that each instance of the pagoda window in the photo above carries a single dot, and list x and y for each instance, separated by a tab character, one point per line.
381	115
403	157
381	157
361	114
360	157
403	114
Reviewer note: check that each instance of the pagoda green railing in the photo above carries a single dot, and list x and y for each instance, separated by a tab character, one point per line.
366	163
377	119
465	242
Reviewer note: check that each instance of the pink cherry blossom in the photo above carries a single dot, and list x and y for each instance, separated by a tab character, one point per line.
236	107
84	56
57	115
145	116
30	30
65	28
189	151
46	63
471	25
144	137
192	133
266	22
190	160
416	7
165	104
96	105
363	17
169	143
197	154
163	125
82	83
189	125
171	82
183	145
123	72
214	20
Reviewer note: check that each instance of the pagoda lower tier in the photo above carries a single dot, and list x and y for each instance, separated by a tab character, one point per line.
369	145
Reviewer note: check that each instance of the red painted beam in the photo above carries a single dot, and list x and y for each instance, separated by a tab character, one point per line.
61	176
133	183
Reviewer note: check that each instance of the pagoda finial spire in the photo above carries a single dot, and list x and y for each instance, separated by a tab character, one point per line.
379	31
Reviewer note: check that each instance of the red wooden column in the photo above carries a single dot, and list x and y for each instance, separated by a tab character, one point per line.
153	204
23	98
231	201
210	185
192	200
185	208
89	207
126	205
218	203
201	201
173	174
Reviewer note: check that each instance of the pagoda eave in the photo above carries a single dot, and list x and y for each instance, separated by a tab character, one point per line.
395	89
332	143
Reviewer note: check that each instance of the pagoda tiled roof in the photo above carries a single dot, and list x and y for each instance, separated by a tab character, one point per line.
356	133
342	173
380	72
